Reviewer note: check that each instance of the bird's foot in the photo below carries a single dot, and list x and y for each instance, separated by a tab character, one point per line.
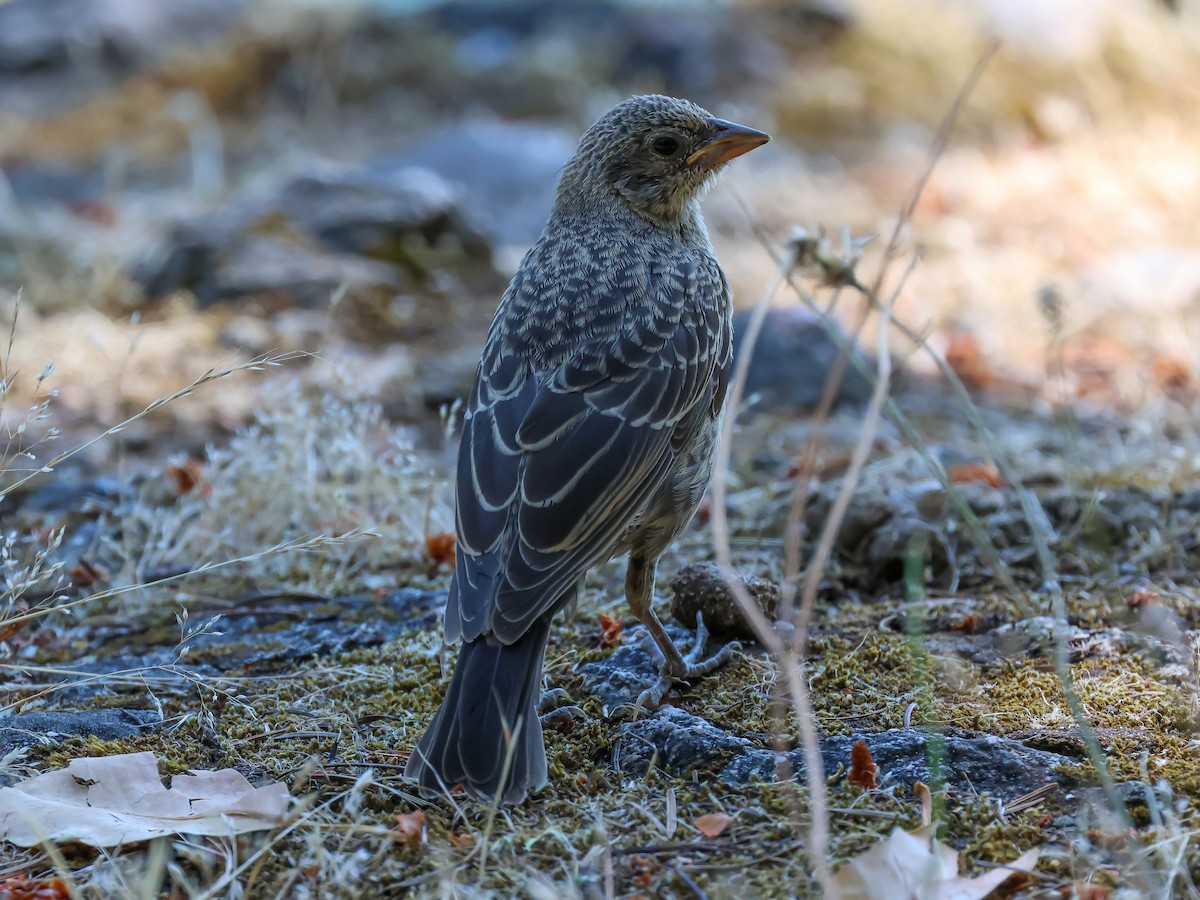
693	665
555	713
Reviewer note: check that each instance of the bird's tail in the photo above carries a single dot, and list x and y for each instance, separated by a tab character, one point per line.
486	735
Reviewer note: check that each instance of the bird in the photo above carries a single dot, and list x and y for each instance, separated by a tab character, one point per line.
590	430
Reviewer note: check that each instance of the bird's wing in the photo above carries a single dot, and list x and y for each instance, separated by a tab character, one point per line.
552	470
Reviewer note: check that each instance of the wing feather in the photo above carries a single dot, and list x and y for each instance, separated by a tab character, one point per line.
556	463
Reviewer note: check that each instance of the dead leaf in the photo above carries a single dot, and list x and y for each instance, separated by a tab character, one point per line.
440	547
86	574
713	825
112	800
610	630
1087	892
1143	599
863	770
909	866
185	473
22	887
964	354
969	473
411	828
7	627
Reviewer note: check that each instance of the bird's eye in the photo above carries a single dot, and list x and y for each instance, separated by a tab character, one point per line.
665	145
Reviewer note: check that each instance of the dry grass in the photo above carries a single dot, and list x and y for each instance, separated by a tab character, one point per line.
1074	174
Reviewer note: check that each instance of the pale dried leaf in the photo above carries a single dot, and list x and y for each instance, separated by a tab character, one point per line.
905	866
713	824
983	885
112	800
912	866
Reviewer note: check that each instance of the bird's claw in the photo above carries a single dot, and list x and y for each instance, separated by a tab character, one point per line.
694	665
558	711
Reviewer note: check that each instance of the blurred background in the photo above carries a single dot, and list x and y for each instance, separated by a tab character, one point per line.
188	182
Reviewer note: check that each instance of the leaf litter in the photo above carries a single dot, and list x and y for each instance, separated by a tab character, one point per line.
108	801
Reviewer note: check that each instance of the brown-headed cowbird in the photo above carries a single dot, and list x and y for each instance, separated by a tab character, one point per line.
591	428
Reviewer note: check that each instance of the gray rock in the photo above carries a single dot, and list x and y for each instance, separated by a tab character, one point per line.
26	729
509	170
969	763
268	636
675	741
369	230
56	52
619	678
679	741
306	276
792	359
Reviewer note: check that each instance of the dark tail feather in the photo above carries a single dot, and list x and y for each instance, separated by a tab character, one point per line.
492	699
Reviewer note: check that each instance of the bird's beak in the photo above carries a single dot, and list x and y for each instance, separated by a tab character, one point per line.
729	140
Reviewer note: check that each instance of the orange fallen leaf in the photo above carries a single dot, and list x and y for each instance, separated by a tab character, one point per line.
440	547
712	825
643	870
862	766
411	828
964	354
968	624
8	627
462	840
22	887
610	630
969	473
86	574
1086	891
1142	600
1171	373
185	473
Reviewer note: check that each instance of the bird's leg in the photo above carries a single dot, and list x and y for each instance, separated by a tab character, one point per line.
639	589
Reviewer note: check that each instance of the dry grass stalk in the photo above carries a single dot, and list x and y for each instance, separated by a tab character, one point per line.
837	272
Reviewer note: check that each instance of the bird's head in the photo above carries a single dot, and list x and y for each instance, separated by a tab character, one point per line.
656	154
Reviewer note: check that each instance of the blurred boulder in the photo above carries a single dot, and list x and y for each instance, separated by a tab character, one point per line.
509	170
792	359
681	48
55	52
547	58
386	232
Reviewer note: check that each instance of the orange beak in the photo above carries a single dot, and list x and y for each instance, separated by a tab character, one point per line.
729	140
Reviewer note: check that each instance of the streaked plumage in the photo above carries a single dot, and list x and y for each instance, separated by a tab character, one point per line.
592	424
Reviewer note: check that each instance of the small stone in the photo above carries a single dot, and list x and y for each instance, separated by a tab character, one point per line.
792	358
701	588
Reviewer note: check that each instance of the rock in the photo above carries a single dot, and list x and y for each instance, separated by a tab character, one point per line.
701	588
379	234
620	677
675	741
307	277
26	729
376	212
449	376
510	196
970	763
684	48
56	52
261	638
792	358
679	741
